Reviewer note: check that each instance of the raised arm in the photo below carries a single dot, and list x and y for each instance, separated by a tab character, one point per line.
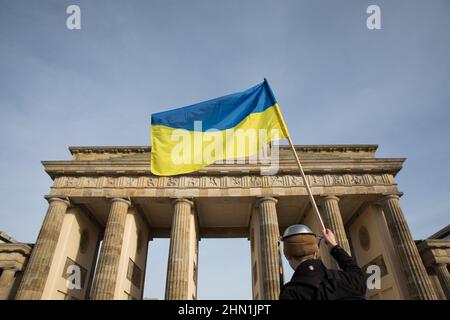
345	261
353	275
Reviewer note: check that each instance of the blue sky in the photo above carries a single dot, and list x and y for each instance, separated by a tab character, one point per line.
336	82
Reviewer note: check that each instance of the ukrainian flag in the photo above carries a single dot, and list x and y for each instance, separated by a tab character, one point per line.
230	127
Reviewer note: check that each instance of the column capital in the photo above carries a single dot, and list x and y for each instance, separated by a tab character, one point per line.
389	197
51	199
267	198
10	270
11	266
386	198
329	197
119	199
185	200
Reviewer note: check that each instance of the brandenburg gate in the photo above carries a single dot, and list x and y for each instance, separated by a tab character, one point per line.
105	208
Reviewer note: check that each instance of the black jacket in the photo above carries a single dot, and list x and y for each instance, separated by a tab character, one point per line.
313	281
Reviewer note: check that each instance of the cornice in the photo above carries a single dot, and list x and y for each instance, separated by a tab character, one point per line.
134	167
17	247
338	158
109	149
433	244
302	148
335	148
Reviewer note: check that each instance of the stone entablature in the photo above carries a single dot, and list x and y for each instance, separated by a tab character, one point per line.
434	251
241	181
336	169
320	160
14	255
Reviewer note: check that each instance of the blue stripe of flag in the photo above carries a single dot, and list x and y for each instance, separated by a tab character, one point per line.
221	113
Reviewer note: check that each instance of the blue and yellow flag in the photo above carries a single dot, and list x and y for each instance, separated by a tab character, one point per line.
230	127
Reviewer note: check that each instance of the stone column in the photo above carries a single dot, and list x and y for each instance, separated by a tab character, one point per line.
444	278
269	237
419	285
36	273
6	283
108	265
178	264
333	220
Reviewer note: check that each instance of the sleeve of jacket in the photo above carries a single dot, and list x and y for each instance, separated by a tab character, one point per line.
353	273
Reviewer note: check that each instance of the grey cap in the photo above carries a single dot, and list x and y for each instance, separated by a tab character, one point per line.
296	229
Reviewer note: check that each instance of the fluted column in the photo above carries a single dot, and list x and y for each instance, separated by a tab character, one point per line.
178	264
333	220
269	237
6	283
444	277
36	273
108	265
419	285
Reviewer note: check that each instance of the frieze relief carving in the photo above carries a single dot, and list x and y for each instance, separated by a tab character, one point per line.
316	180
172	182
248	181
90	182
254	181
234	182
72	182
277	181
339	180
212	182
134	182
192	182
110	182
295	181
150	182
356	179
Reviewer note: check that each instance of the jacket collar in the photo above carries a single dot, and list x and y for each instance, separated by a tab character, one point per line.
312	269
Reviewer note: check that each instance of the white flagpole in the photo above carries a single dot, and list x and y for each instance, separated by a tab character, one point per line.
311	197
